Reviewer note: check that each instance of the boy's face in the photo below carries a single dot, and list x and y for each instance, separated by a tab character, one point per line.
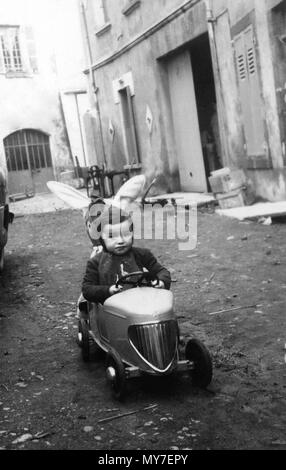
118	238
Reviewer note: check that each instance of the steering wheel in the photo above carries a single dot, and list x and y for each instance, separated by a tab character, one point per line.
141	277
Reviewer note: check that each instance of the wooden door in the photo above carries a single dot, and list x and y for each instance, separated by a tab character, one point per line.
29	161
186	124
250	97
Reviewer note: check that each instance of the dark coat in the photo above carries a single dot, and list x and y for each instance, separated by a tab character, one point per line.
94	291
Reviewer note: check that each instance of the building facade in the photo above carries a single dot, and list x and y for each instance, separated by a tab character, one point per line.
249	43
182	88
41	91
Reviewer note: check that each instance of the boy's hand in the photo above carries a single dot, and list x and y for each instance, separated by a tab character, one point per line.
115	290
158	285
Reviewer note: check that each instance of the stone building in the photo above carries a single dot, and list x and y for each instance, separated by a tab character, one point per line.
179	88
42	91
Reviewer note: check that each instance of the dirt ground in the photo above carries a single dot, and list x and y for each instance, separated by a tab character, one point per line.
56	401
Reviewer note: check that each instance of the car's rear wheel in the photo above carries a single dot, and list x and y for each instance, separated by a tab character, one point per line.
84	339
89	348
115	372
197	352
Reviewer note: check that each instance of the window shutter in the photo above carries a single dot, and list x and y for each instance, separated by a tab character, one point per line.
2	67
129	125
31	49
251	101
241	62
258	146
251	61
244	88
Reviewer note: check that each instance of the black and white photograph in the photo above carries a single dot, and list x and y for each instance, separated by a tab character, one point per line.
142	228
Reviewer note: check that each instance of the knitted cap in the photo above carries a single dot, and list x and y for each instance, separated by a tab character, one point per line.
100	214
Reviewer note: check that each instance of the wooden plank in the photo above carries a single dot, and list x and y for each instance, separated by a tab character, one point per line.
267	209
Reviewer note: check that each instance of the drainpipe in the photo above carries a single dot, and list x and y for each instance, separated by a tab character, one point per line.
92	83
80	127
210	21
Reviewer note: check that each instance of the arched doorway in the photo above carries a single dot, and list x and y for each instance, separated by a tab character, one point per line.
29	161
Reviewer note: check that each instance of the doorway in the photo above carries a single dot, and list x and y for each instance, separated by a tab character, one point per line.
29	161
194	113
206	103
129	127
185	123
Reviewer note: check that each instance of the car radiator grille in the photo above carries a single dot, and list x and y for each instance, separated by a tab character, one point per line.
156	342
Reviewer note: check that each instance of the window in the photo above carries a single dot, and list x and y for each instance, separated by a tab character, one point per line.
129	126
17	51
99	13
123	91
10	49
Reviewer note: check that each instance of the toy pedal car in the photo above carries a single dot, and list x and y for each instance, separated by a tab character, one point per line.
138	331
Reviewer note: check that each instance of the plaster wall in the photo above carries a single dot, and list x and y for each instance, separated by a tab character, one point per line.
237	9
70	63
145	60
33	101
124	27
271	184
146	63
268	184
29	105
231	117
277	21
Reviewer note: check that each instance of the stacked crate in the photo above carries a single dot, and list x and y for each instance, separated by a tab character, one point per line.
229	187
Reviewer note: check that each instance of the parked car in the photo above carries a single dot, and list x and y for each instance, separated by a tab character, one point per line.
6	217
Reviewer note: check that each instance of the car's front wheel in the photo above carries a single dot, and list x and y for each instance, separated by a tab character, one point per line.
115	372
197	352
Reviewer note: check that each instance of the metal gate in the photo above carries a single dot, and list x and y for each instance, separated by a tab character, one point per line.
29	161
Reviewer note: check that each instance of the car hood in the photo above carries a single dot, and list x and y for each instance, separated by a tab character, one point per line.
143	301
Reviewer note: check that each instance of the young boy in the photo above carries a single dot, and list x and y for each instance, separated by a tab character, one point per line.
118	258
